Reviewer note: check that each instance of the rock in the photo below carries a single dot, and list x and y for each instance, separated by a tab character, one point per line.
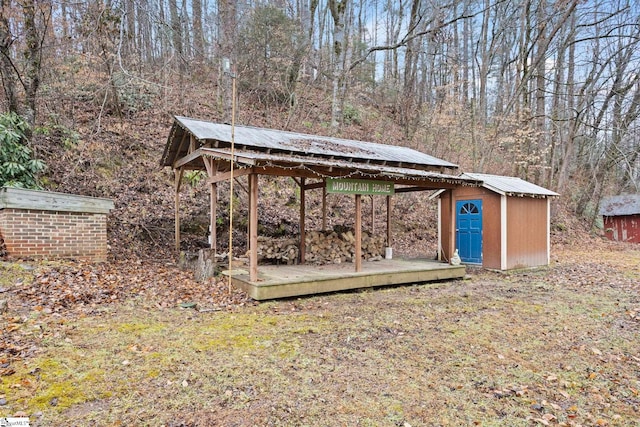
3	401
4	306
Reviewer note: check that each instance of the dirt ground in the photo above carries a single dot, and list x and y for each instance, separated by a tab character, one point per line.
124	345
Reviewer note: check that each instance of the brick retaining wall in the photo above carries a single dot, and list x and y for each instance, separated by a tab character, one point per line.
44	233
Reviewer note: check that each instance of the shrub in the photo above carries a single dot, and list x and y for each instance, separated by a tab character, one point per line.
18	168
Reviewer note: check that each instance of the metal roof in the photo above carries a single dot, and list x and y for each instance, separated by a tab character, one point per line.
277	141
343	168
626	204
510	186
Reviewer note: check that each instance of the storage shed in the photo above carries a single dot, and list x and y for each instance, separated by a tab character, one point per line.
621	217
504	224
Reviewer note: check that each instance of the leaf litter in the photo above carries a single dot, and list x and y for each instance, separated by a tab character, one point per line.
552	346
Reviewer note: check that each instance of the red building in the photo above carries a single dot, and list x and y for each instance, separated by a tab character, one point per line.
621	217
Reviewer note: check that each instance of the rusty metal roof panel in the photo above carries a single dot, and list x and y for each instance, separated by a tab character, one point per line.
260	159
626	204
271	140
511	186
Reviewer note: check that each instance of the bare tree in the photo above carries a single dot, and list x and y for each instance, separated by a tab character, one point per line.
338	9
35	17
198	38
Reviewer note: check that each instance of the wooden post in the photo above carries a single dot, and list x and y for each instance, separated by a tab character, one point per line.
178	181
253	227
358	228
452	228
324	207
388	221
302	216
213	215
373	215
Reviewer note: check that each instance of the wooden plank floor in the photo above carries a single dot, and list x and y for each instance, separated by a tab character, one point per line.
280	281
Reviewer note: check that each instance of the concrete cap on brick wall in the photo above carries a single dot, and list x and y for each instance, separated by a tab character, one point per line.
19	198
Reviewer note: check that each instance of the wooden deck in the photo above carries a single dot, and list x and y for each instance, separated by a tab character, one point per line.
280	281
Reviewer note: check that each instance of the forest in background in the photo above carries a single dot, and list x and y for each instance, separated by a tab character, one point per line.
545	90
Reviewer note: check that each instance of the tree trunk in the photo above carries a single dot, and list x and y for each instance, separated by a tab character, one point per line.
176	34
407	102
338	10
7	70
541	51
226	37
198	38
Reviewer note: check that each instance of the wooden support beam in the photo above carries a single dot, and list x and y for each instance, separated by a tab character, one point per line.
303	214
209	166
253	227
179	149
213	215
324	208
389	221
358	230
178	180
188	158
373	215
224	176
452	227
313	186
411	189
239	184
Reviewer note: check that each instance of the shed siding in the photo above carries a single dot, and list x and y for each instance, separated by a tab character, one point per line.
526	232
624	228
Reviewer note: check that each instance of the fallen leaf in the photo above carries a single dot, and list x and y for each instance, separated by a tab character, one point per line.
541	421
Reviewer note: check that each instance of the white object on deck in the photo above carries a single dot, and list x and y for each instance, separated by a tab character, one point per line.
455	259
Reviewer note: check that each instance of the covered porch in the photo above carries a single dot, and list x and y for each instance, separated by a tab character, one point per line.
315	163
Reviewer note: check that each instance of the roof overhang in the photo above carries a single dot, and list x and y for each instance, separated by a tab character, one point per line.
188	134
507	186
199	145
290	165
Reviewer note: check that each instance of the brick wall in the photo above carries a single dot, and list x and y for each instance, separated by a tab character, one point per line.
52	234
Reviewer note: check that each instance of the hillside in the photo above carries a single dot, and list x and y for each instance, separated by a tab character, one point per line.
95	152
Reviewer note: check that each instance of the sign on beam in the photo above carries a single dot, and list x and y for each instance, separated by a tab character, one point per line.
359	186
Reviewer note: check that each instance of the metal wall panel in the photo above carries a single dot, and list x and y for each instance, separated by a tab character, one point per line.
526	232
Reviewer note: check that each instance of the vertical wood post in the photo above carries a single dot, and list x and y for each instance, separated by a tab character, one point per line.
373	215
324	207
178	181
452	228
388	221
253	227
213	215
303	214
358	228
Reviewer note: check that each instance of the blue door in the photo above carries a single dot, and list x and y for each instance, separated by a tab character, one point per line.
469	230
